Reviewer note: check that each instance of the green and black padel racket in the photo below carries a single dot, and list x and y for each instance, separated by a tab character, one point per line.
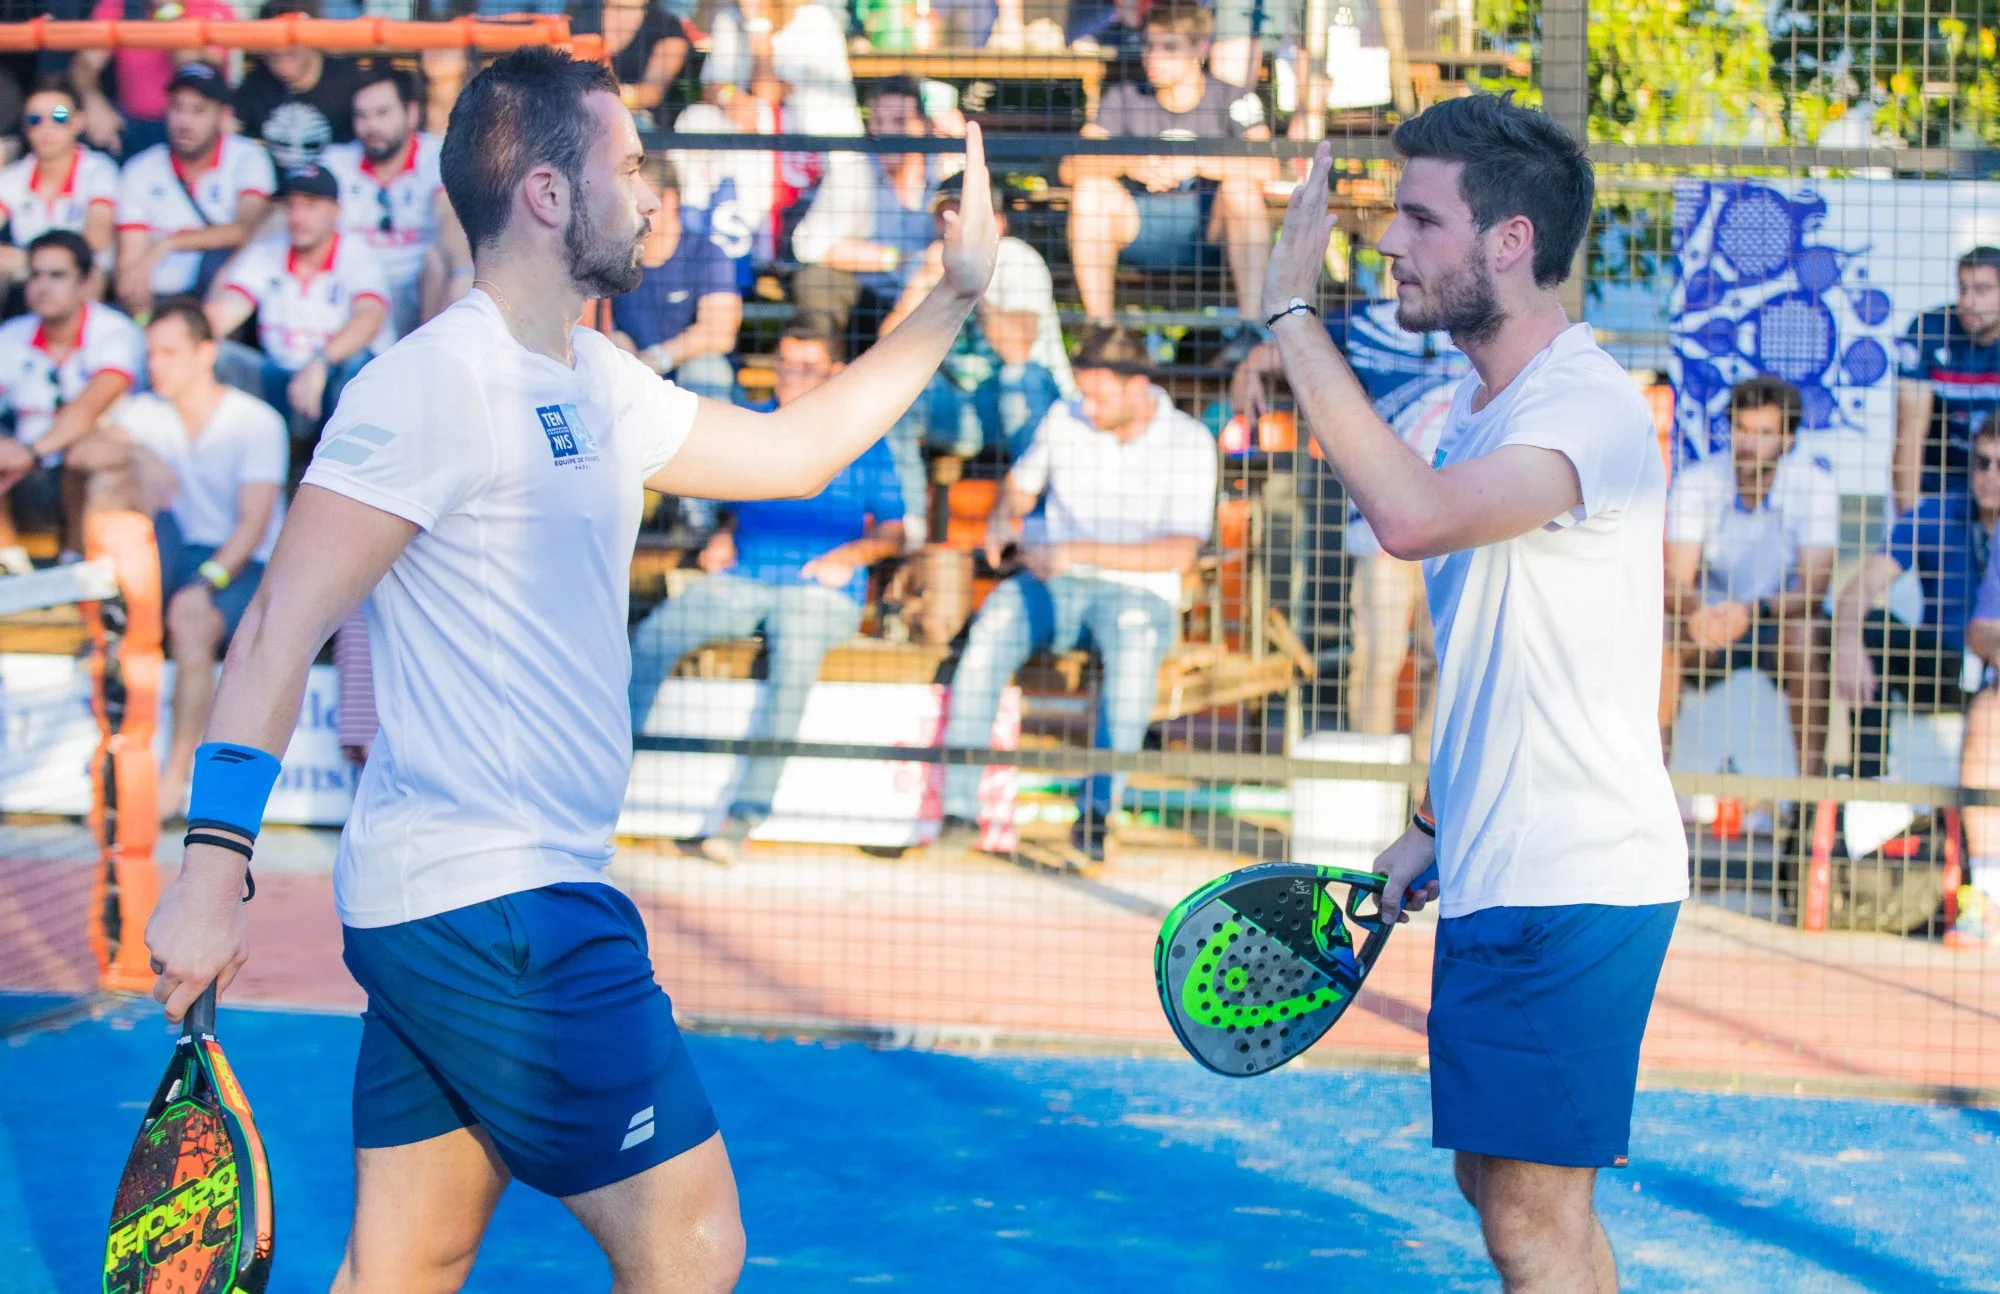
1256	965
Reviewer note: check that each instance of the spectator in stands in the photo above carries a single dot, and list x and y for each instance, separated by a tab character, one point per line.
1978	921
1917	652
682	318
779	66
1752	537
1173	212
797	568
1129	484
298	100
1411	379
1008	368
209	463
61	366
185	205
647	45
391	194
321	301
60	184
1949	380
866	232
144	76
1119	30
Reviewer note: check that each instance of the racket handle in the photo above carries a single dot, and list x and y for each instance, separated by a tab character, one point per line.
1422	879
200	1017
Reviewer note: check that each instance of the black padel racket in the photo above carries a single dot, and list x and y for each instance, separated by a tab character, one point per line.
1256	965
193	1212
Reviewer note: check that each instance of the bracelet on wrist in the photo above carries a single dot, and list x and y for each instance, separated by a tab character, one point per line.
1425	823
1297	305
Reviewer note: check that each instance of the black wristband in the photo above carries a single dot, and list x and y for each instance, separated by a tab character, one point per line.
197	836
1417	821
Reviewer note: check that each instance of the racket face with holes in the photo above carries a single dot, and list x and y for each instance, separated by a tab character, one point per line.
1257	965
192	1214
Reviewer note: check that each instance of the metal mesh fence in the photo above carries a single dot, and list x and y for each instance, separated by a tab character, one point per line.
877	732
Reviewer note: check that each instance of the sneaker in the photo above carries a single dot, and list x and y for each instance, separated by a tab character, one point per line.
1978	924
14	560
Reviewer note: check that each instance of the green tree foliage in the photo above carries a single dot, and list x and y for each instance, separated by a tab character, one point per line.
1929	64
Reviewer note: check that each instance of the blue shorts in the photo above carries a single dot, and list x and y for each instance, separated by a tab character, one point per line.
1173	230
180	566
535	1016
1536	1017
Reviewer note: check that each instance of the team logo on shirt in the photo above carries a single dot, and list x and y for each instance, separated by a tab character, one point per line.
569	440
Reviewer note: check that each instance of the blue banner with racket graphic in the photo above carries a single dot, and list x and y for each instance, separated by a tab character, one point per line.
1816	282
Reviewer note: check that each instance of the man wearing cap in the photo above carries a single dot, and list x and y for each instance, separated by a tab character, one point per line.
321	301
1008	367
185	205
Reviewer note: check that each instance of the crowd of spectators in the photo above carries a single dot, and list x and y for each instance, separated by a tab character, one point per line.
276	221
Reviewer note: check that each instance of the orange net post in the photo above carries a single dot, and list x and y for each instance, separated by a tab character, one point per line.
126	665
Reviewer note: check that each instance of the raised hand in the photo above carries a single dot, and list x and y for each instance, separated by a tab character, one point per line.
971	235
1297	259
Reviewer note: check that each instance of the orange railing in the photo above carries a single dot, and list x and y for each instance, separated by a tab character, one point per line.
333	35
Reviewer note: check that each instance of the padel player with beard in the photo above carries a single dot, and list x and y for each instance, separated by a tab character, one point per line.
481	484
1561	858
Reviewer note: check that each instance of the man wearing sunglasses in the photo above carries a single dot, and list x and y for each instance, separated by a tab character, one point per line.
391	193
59	185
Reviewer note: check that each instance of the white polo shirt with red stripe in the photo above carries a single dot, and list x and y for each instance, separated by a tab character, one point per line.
301	306
157	194
31	208
392	212
35	383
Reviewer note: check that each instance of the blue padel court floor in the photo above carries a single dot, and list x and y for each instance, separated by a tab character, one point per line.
1036	1173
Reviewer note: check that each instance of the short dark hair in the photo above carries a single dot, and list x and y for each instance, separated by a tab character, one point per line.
813	330
69	241
901	84
1766	392
1981	258
375	72
56	83
1185	17
1517	162
1114	347
189	312
289	8
526	109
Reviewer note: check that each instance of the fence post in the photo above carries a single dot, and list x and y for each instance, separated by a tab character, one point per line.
1566	98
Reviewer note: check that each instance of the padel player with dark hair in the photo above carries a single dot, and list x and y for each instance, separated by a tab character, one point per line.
1539	524
480	484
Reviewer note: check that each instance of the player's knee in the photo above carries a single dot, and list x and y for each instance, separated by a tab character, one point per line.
196	629
436	1273
707	1255
1527	1239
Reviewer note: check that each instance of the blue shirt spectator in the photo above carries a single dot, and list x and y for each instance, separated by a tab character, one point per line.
1948	366
683	317
777	538
1944	544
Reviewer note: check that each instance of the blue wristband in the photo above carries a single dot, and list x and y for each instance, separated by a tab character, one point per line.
231	785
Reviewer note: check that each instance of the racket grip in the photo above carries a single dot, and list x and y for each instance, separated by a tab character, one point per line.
1422	879
200	1018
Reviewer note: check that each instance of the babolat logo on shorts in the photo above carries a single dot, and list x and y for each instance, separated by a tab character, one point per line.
569	440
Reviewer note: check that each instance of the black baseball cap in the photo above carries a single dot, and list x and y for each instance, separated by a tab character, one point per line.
311	179
952	189
205	79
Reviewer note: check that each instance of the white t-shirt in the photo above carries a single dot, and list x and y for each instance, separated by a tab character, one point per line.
31	211
404	201
1021	282
34	385
1750	553
1546	771
1104	490
498	637
244	443
151	197
299	307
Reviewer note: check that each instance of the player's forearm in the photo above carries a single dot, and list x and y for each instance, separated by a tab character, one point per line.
1388	482
356	333
263	680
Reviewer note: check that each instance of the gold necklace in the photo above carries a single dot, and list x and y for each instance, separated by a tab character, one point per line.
507	313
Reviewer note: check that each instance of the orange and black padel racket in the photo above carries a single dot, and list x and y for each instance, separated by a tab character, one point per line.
193	1211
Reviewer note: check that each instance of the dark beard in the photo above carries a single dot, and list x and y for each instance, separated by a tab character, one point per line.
1466	305
599	267
378	157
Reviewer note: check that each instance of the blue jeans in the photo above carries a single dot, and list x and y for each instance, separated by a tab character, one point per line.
801	623
248	369
1132	630
1001	414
